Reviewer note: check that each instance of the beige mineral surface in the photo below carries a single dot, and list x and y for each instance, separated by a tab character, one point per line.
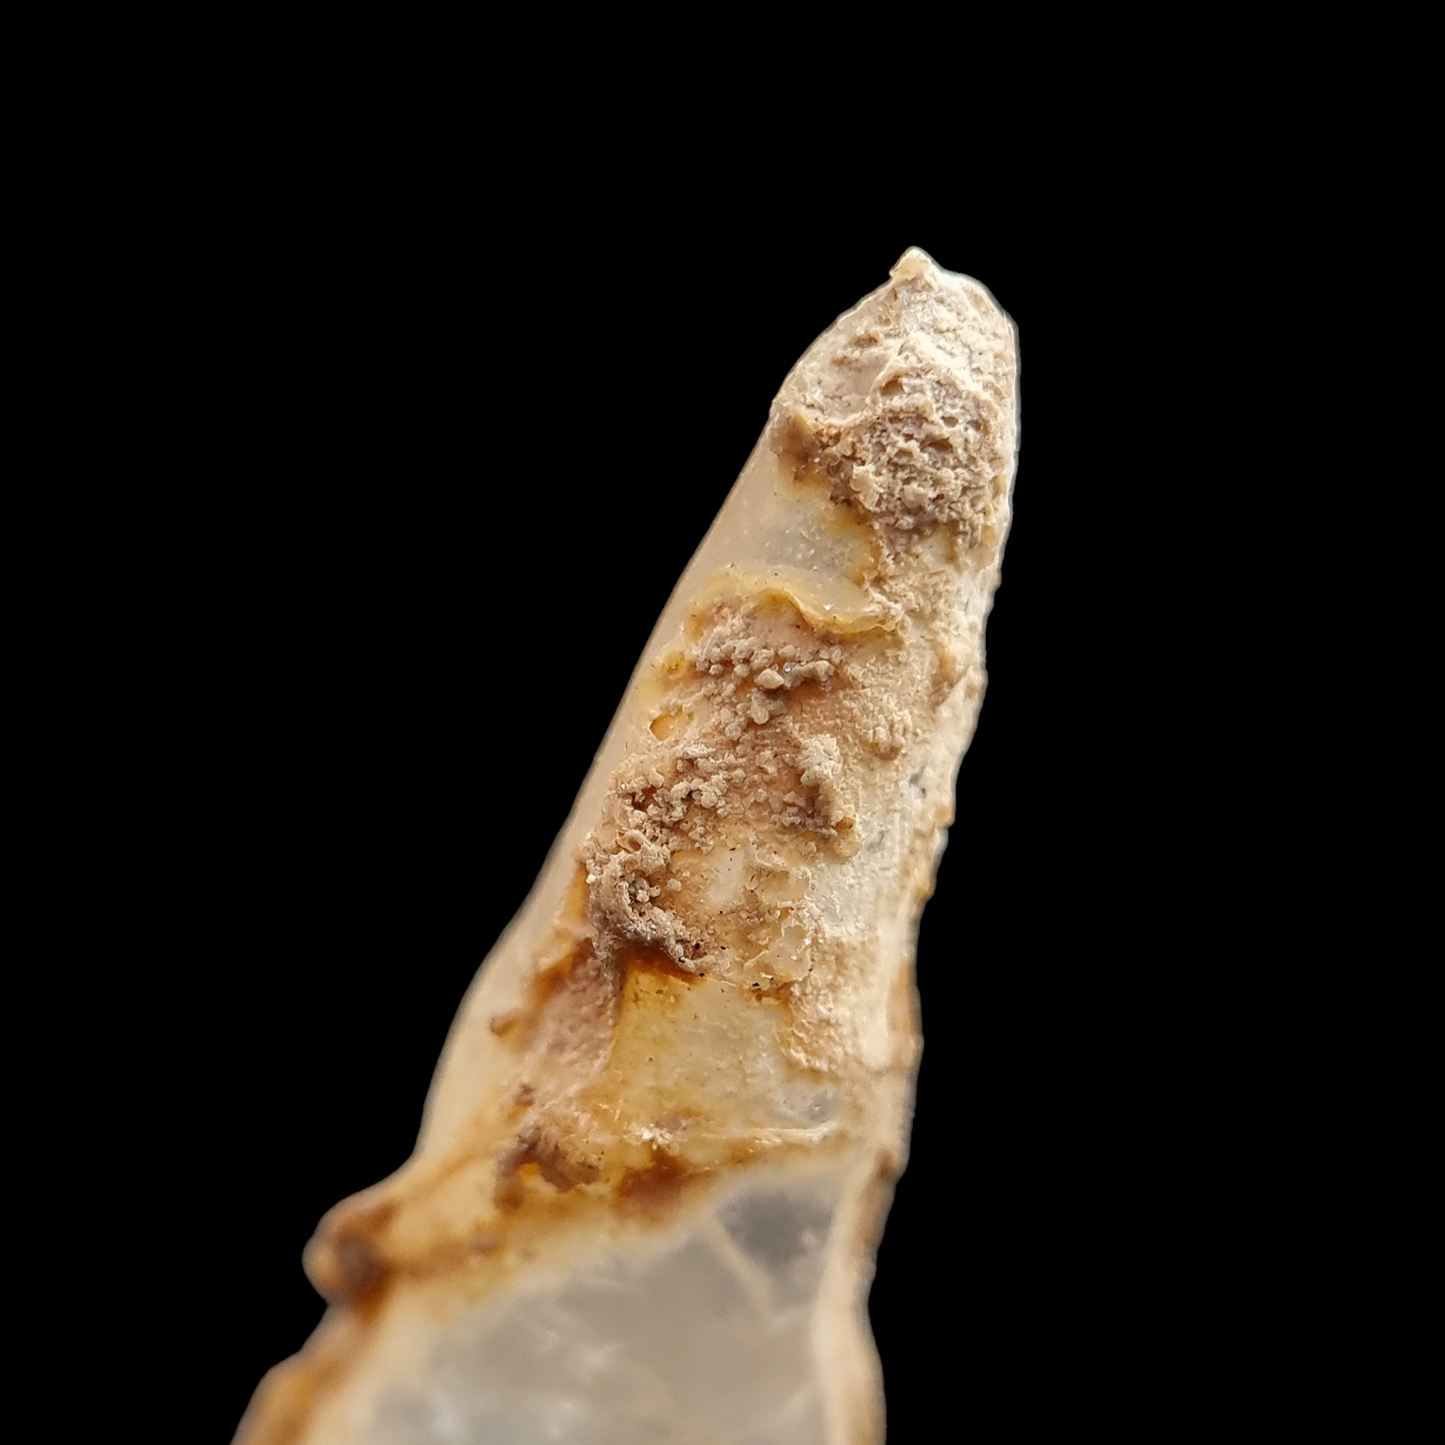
662	1139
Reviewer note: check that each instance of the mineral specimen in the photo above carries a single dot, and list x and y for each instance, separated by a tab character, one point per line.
663	1136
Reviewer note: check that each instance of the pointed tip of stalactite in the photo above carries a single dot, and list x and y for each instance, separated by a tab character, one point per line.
913	262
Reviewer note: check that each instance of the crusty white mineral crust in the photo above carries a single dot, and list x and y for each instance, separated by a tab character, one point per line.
663	1136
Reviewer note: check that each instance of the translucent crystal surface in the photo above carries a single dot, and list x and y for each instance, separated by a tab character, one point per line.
704	1341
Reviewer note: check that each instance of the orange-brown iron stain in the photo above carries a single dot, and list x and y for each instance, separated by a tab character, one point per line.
520	1025
655	1189
346	1260
639	963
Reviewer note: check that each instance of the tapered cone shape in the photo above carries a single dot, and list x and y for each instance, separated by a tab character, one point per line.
663	1137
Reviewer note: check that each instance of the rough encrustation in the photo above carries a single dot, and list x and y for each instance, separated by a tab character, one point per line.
739	754
907	424
931	443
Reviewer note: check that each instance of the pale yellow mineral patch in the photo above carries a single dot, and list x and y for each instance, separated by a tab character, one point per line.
662	1138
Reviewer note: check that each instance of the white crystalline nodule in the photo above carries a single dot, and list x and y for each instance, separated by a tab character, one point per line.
707	1343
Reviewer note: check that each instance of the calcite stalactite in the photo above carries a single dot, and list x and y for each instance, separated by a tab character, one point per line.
659	1149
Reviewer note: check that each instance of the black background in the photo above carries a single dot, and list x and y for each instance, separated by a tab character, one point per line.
452	458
